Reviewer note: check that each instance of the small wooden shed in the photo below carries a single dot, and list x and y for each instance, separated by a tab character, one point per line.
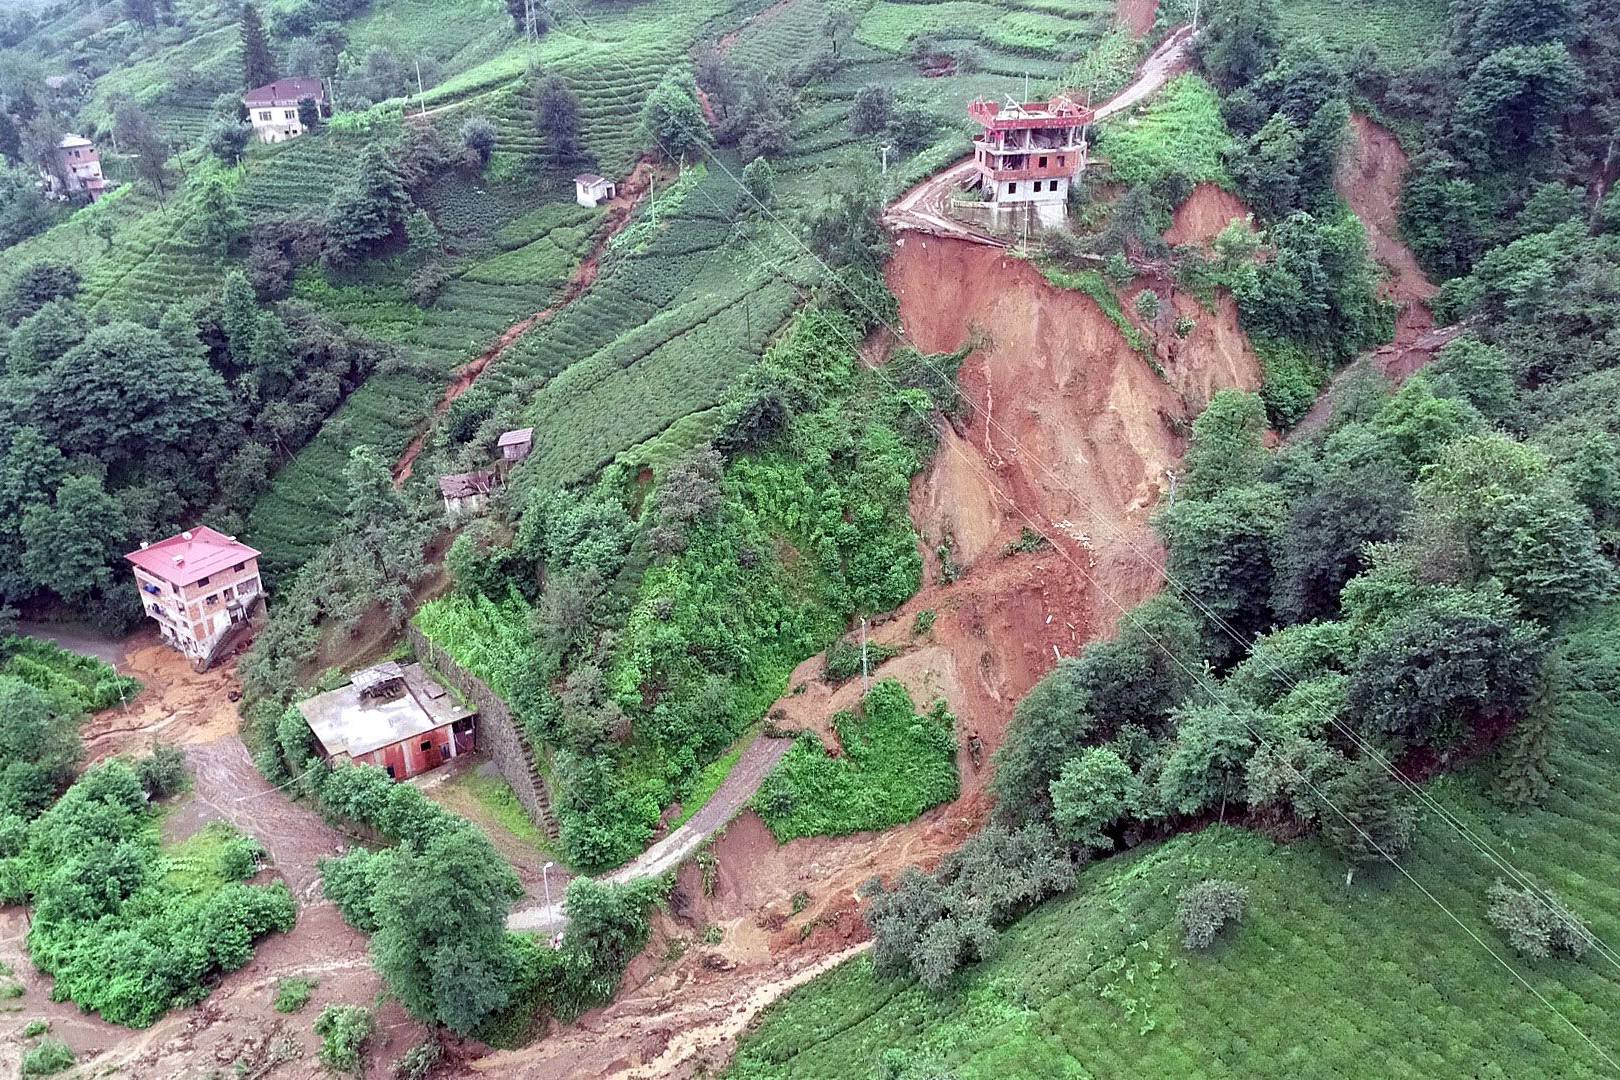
515	445
466	493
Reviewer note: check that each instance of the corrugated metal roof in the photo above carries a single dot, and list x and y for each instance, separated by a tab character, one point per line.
517	438
461	485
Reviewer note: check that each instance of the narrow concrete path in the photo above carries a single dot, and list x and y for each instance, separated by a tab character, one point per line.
726	803
923	208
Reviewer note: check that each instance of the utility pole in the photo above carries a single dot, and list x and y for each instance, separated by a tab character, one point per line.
1196	5
531	22
866	670
885	150
420	96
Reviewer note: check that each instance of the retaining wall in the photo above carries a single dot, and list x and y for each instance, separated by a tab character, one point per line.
499	734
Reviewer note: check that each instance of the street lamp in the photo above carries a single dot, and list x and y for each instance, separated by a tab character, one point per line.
545	880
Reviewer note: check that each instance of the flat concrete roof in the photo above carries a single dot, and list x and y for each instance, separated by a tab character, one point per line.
345	725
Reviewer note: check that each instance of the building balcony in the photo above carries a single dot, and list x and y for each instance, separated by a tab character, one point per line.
1031	172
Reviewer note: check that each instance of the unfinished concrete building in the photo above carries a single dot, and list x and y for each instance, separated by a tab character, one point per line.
1027	157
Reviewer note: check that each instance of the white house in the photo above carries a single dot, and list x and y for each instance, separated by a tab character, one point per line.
273	109
590	189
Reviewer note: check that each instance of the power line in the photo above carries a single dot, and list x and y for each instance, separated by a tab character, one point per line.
1127	613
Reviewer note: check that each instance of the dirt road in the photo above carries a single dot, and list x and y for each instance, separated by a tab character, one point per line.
726	803
923	208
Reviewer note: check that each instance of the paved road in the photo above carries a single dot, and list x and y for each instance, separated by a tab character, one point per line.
922	209
728	800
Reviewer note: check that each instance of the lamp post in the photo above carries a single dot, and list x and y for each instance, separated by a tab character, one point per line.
545	880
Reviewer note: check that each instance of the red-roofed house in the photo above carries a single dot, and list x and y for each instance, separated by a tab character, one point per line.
198	587
273	109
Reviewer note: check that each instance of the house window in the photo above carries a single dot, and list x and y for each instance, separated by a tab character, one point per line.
238	567
427	744
265	115
230	591
290	114
212	600
391	775
202	581
1060	159
1042	162
445	749
1012	188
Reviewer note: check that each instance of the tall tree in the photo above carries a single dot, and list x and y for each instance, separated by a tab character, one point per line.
557	116
10	138
141	139
672	122
365	211
141	12
258	66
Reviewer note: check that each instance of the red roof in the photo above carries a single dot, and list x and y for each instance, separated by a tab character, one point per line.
191	556
285	92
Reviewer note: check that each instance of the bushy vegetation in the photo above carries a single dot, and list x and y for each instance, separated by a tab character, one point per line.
436	905
344	1032
695	651
1204	909
125	930
81	684
1179	133
293	994
50	1056
892	764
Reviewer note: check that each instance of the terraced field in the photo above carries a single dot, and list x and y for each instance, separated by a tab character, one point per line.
1399	31
667	327
1318	980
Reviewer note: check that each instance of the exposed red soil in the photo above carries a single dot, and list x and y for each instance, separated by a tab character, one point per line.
1209	209
1053	380
1137	16
620	208
1369	178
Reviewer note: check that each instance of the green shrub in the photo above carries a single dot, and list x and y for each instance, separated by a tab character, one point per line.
344	1032
924	622
293	994
1180	133
101	882
896	764
844	659
35	1027
163	772
420	1060
50	1056
1537	926
1204	909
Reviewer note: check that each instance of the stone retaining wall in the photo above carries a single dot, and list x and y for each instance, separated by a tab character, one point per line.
498	732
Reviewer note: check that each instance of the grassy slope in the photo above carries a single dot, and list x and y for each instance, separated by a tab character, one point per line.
1318	981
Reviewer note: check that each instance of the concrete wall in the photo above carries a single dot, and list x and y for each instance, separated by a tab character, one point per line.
499	734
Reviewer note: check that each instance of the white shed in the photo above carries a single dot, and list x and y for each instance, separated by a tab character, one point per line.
591	190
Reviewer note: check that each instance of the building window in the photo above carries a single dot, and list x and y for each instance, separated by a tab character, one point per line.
1042	162
1012	188
238	567
1060	159
202	581
445	749
391	775
212	600
427	744
264	115
290	114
